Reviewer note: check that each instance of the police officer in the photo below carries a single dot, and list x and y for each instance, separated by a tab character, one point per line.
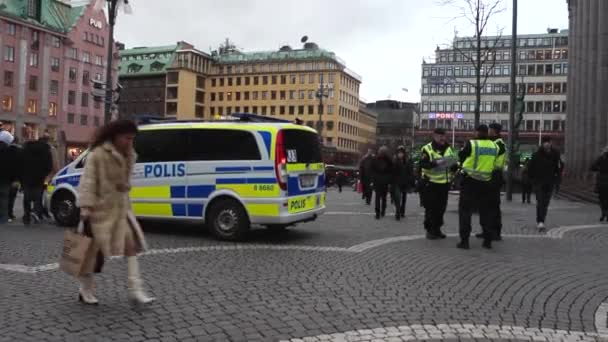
497	180
438	162
478	158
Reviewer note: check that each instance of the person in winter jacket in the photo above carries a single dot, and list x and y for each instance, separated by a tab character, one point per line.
544	172
16	155
382	177
403	180
37	165
340	180
8	172
526	185
365	174
105	204
601	187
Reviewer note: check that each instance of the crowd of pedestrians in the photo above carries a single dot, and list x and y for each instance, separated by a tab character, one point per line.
25	168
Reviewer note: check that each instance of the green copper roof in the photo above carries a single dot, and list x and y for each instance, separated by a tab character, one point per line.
54	15
146	61
263	56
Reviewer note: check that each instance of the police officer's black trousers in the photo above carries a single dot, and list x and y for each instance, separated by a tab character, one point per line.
435	198
476	194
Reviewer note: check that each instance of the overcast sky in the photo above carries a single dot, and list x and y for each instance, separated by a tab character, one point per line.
384	41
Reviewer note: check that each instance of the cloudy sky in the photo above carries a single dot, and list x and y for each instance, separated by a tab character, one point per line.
382	40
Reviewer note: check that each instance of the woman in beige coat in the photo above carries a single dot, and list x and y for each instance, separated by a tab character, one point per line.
104	202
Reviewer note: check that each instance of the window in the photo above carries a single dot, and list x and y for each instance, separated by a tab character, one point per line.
256	80
172	77
86	57
71	97
557	88
292	110
7	103
302	94
32	106
292	94
215	144
8	78
254	95
98	60
199	111
56	41
229	96
200	82
264	79
72	75
274	79
311	78
220	96
84	99
549	69
273	110
172	92
282	110
213	82
557	107
293	79
246	95
11	29
71	118
85	77
171	108
283	95
55	64
238	81
238	96
84	120
34	59
96	121
311	110
54	87
548	88
73	53
9	53
33	83
538	107
200	96
53	109
330	109
300	110
283	79
311	94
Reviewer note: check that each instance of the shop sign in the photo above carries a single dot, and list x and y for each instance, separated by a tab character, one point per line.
95	23
443	115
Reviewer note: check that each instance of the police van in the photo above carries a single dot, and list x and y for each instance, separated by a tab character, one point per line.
226	174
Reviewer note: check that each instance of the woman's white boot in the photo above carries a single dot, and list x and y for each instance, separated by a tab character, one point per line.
86	292
136	292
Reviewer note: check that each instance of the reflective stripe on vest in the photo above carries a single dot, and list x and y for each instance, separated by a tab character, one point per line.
501	159
480	164
439	175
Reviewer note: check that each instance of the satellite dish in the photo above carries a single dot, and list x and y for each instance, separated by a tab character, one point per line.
304	39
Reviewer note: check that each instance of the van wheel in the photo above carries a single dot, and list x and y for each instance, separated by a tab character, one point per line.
228	220
277	228
64	209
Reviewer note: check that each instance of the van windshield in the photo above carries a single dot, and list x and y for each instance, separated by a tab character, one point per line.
302	146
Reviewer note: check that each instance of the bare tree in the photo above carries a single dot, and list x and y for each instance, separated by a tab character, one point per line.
478	51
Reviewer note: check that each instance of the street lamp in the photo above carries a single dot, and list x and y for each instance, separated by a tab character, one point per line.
113	6
322	92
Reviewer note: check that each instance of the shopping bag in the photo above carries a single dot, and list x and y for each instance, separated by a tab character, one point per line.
359	187
75	247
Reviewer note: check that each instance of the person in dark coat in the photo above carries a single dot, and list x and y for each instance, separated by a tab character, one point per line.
16	154
526	191
8	172
365	174
382	177
340	180
601	187
544	172
404	177
37	165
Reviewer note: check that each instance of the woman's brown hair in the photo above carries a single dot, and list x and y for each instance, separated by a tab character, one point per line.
112	129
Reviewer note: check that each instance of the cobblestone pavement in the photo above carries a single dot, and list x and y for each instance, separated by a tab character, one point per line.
345	277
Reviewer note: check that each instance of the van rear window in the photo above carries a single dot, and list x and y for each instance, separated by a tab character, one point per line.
302	146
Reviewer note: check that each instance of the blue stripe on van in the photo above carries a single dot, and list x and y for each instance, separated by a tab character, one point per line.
267	137
73	180
179	209
263	168
178	191
195	210
261	180
246	181
200	191
63	172
233	169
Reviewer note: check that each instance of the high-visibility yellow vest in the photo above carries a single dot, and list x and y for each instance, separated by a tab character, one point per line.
480	163
501	159
439	174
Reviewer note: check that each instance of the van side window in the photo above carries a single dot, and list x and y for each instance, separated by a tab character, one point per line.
222	144
81	163
161	146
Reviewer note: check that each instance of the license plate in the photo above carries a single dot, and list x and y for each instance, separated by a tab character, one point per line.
307	181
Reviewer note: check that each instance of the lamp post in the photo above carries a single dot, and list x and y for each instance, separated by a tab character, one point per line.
322	92
512	127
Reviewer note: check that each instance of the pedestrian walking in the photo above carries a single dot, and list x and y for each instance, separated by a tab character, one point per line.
478	159
382	178
8	173
404	177
438	162
526	184
601	186
37	165
544	173
46	138
340	180
497	181
365	174
17	165
105	204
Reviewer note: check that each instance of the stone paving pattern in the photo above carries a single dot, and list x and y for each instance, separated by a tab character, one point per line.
551	288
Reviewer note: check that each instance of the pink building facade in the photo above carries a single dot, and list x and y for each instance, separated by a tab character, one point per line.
51	52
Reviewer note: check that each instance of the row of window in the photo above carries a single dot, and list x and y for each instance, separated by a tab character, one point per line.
86	56
496	88
348	143
348	129
84	119
265	95
33	60
32	106
273	79
94	39
494	107
11	30
497	70
347	98
502	55
273	110
254	68
526	125
349	114
471	42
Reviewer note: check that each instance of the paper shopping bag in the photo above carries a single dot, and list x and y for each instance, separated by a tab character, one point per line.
75	247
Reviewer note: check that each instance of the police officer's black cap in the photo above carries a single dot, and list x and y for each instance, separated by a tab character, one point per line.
482	128
439	131
496	126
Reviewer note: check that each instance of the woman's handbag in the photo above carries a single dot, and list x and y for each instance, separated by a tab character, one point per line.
75	247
